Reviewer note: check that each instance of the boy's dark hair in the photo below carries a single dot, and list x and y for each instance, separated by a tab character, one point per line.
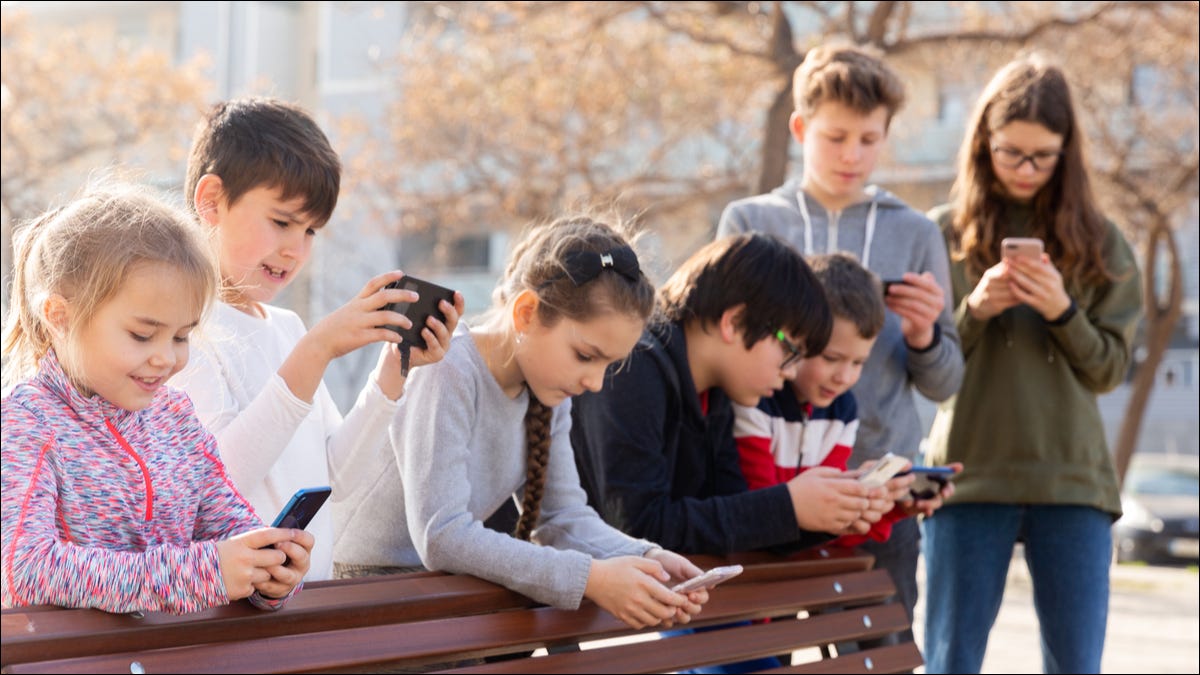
253	142
763	274
852	75
854	292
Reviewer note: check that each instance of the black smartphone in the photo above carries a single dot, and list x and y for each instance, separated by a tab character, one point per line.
888	283
429	295
301	508
929	480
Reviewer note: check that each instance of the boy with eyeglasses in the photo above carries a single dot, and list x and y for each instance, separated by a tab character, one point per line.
845	99
655	446
813	420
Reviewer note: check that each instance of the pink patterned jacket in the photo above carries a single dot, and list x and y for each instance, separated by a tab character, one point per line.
112	509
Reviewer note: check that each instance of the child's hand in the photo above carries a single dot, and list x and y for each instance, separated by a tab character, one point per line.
828	500
437	334
631	589
1039	284
918	302
681	569
362	320
389	371
285	577
244	559
926	507
993	294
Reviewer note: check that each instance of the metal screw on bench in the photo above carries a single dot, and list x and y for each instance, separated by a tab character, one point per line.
868	663
837	586
136	668
866	621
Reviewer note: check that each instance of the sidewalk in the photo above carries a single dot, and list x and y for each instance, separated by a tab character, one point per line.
1153	622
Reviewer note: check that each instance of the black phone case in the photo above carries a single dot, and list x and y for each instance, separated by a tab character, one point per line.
418	312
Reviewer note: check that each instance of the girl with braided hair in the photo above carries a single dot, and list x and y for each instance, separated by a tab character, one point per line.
492	421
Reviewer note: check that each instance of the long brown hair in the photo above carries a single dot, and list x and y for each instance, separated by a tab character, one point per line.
548	261
1065	214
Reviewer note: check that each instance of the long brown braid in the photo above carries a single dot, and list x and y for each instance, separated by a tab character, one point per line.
537	440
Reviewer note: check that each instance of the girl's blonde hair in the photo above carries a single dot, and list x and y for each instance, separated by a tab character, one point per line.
85	251
579	267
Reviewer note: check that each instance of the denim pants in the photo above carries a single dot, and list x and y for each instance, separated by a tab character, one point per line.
968	548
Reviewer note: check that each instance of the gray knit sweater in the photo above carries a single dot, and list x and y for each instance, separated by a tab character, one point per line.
457	452
905	240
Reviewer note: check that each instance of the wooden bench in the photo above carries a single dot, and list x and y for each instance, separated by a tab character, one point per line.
454	621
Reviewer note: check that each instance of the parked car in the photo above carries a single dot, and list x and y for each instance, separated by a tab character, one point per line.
1161	504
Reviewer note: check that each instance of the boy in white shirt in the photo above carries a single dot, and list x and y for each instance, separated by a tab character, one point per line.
264	176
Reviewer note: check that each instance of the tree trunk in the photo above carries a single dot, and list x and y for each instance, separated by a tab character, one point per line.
1161	317
777	137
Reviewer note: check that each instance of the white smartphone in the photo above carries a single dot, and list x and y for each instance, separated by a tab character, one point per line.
889	465
709	579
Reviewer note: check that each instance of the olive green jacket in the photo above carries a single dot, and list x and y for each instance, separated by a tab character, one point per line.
1025	423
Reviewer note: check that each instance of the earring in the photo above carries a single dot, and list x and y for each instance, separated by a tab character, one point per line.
520	337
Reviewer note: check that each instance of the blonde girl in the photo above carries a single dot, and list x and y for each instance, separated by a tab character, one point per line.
114	496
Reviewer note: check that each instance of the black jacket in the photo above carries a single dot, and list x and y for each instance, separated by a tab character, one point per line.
655	466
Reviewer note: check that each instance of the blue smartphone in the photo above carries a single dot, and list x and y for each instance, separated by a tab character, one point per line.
929	480
303	505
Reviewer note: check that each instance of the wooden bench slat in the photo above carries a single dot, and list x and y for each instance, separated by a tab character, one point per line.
728	645
65	633
436	641
899	658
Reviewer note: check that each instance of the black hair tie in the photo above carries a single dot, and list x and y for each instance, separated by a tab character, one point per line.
584	266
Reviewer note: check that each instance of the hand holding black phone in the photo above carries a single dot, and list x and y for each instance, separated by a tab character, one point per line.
429	295
929	480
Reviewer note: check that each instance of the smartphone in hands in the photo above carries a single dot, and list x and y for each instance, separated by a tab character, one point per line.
428	296
709	579
301	508
1021	247
929	480
882	471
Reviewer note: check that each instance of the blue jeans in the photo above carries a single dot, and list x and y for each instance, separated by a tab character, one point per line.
968	548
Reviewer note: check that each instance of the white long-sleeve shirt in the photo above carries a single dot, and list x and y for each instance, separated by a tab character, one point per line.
273	443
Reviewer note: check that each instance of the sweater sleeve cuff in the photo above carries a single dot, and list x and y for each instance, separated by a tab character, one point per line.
273	604
1066	316
937	339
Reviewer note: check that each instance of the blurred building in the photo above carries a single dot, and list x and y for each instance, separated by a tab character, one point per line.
334	59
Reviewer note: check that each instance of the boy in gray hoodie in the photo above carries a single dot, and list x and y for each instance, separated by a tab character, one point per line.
845	99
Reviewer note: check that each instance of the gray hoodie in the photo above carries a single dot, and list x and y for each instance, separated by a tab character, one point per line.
904	240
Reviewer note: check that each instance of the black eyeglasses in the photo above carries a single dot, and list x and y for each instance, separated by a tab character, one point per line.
793	352
1011	158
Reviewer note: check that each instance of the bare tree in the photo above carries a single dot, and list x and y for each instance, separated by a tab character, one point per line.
74	102
511	111
1147	152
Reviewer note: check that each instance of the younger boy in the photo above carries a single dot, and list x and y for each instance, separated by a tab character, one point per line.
655	446
845	99
813	421
263	175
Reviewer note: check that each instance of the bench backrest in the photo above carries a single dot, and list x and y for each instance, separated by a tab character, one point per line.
451	619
